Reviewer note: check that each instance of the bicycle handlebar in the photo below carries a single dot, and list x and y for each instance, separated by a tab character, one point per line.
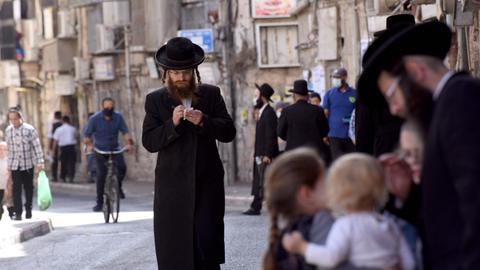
110	152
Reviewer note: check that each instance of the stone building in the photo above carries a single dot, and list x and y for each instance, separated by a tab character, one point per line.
69	54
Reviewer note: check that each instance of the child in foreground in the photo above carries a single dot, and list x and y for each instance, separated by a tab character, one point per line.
356	190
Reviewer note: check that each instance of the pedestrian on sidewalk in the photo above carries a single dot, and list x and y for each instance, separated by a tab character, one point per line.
54	155
102	133
65	138
355	189
183	121
338	104
450	173
303	124
266	144
24	153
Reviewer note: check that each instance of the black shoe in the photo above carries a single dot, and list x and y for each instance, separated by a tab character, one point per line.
28	214
252	212
97	208
122	195
11	212
17	217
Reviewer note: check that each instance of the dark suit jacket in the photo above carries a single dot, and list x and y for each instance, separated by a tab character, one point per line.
266	143
451	177
303	124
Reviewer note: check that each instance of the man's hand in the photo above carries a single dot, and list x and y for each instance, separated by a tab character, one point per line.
398	175
326	141
266	160
128	148
294	243
194	116
40	167
178	114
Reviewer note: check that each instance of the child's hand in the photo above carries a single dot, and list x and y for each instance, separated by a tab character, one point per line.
294	243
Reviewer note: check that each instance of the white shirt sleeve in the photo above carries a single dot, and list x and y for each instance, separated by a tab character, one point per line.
56	134
334	251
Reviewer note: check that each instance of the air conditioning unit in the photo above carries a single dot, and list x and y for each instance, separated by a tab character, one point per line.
66	24
64	85
82	68
380	7
116	13
49	23
104	38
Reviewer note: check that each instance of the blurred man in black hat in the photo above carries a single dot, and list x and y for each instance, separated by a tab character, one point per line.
450	173
315	99
338	104
303	124
266	144
183	121
377	131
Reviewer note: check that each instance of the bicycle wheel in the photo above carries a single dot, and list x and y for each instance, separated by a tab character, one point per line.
106	208
114	198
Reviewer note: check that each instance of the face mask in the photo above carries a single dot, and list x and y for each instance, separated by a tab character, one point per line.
108	112
336	82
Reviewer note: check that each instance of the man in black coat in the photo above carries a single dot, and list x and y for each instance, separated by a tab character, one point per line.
183	121
266	144
450	180
303	124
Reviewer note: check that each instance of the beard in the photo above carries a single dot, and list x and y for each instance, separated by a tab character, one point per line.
182	89
419	102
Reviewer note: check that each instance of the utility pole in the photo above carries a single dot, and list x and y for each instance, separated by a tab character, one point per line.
126	31
228	56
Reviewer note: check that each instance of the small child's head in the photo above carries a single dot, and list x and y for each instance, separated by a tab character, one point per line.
3	149
412	146
294	183
356	183
294	187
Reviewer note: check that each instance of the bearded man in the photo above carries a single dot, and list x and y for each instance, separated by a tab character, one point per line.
183	121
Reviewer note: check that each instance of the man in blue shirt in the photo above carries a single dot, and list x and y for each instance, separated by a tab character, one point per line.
338	104
103	128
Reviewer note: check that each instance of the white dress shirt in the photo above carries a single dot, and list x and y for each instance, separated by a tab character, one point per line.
24	148
65	135
365	240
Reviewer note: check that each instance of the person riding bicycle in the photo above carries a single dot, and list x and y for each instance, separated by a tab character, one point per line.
103	127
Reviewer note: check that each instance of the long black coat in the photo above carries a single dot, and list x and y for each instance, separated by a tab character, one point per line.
451	178
303	124
189	202
266	143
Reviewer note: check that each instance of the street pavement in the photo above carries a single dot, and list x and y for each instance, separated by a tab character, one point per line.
81	239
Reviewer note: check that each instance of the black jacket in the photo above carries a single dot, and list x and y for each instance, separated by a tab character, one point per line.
451	177
266	143
303	124
189	202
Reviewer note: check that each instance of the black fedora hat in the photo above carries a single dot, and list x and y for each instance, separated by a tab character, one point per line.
179	53
396	21
300	87
429	39
265	90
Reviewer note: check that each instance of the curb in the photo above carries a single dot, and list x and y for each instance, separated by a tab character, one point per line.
84	187
17	232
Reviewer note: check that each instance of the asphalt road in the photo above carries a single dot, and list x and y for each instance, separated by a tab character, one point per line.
81	239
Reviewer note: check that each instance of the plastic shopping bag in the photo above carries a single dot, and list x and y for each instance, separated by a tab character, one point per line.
44	196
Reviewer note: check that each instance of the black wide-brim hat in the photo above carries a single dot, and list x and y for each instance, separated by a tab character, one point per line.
179	53
266	91
394	21
300	87
428	39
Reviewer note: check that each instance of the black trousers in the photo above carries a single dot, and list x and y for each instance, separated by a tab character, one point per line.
2	191
55	165
340	146
102	171
258	184
68	160
22	179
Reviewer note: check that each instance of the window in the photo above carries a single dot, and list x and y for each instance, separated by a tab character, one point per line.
276	44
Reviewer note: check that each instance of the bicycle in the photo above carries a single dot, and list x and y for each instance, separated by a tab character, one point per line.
111	191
